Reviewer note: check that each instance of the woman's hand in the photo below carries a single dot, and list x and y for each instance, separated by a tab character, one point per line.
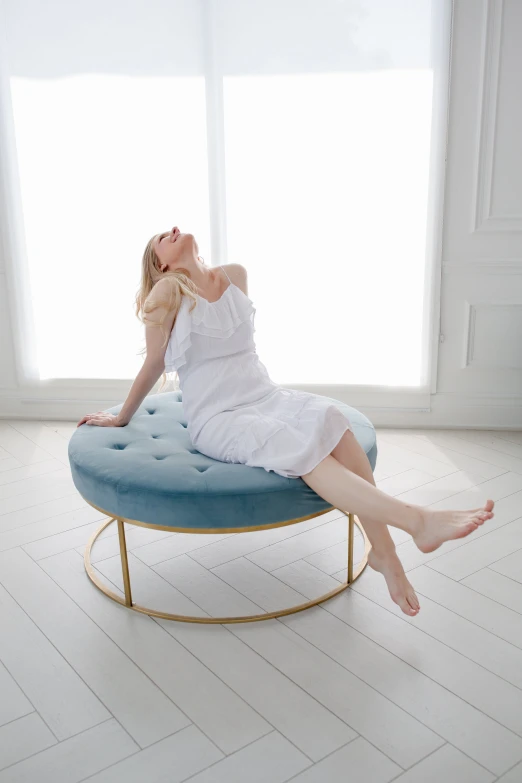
102	419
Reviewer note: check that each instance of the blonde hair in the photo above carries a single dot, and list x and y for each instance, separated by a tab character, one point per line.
165	297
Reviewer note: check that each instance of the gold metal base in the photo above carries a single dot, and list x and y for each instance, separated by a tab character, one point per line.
127	600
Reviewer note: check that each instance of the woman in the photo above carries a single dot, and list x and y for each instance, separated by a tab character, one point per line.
236	413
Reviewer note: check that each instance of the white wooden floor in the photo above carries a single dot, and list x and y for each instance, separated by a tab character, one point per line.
349	690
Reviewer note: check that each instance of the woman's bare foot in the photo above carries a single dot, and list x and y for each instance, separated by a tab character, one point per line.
436	527
400	589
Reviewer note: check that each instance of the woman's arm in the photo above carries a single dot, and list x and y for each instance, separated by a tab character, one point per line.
159	322
145	380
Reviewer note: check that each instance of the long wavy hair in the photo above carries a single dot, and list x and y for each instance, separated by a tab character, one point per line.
151	296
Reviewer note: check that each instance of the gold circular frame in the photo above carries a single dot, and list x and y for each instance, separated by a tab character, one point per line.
130	604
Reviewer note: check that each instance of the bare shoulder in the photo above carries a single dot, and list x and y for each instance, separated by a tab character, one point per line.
159	314
238	274
163	287
160	304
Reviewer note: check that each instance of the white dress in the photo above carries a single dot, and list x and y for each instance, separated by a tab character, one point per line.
234	411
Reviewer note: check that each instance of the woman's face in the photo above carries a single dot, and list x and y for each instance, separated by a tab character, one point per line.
174	249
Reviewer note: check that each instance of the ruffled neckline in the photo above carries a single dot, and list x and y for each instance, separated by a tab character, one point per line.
230	285
215	319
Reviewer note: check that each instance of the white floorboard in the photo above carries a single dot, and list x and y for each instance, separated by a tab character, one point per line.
285	706
270	758
499	588
173	759
74	759
345	637
447	764
359	760
24	737
351	689
13	704
61	697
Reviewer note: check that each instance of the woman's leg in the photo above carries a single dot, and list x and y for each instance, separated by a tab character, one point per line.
429	529
350	453
382	556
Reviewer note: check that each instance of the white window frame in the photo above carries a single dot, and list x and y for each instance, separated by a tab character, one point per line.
67	398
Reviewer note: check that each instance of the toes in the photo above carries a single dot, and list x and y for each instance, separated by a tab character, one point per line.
482	513
483	517
489	505
469	528
408	603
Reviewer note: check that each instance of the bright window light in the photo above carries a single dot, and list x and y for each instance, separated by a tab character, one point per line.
292	137
327	187
90	147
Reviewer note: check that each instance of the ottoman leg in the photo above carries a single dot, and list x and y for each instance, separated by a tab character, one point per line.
351	523
353	573
124	563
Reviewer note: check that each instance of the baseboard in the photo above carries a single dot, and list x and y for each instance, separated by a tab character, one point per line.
385	409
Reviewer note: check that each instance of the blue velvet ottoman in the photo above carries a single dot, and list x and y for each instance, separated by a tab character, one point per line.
149	473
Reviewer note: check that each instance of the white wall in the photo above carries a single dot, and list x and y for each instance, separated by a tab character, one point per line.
479	376
478	382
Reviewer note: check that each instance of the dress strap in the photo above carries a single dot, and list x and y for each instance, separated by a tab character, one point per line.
226	274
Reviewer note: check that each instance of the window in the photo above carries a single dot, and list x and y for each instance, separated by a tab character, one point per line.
295	137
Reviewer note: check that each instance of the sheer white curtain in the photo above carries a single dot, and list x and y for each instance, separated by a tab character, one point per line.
292	136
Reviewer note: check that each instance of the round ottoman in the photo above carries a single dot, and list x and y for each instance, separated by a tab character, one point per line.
149	473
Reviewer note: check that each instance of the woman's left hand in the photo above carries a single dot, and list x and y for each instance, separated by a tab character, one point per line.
101	419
